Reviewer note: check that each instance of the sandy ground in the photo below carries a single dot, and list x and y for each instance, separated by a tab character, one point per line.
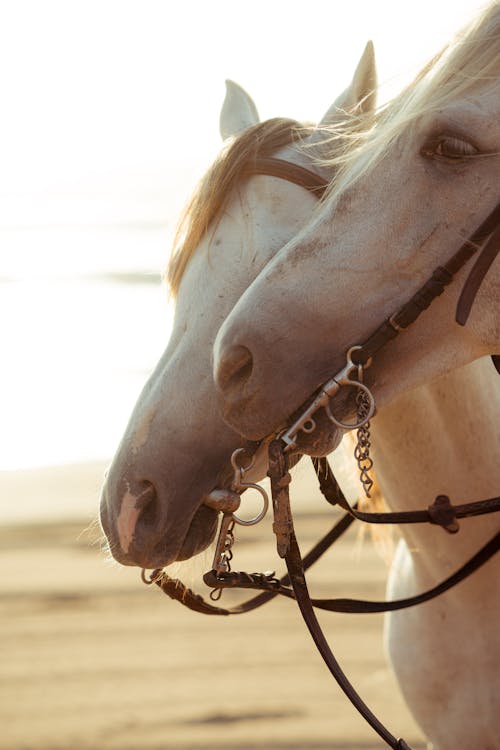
92	659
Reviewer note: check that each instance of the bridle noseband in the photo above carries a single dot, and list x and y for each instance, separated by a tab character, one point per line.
441	512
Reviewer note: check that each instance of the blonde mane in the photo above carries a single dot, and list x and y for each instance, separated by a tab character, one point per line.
472	56
216	188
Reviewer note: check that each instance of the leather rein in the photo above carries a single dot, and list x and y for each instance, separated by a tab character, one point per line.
441	513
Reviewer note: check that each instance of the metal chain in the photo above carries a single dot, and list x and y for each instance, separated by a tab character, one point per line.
362	449
226	557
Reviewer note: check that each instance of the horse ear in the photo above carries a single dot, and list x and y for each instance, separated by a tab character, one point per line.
361	94
238	111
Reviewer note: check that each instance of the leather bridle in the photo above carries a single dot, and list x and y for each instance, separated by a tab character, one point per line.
486	241
435	285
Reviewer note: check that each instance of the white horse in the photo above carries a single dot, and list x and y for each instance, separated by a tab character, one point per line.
411	190
444	438
176	447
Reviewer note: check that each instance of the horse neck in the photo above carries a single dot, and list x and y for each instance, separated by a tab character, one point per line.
441	438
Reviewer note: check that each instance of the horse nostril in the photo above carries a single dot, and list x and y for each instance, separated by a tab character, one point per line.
149	507
234	368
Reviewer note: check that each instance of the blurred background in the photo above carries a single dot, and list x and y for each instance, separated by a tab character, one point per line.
109	116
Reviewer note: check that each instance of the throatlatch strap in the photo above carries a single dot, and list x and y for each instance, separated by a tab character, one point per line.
440	513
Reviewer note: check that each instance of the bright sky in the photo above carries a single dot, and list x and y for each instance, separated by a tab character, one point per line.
123	96
110	110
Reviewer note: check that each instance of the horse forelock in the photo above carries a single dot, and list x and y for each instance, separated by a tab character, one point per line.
470	60
216	187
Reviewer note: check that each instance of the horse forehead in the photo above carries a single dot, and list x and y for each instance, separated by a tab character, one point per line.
260	219
489	108
487	100
480	111
276	200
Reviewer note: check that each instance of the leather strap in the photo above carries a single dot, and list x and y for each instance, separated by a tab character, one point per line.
271	586
288	547
267	582
277	469
288	171
476	276
297	575
433	287
175	589
440	513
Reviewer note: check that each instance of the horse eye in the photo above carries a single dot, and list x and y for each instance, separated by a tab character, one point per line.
449	148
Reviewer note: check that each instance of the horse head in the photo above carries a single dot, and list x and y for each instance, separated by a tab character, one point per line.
176	448
413	188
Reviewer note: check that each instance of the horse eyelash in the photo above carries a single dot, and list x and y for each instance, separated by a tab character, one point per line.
430	148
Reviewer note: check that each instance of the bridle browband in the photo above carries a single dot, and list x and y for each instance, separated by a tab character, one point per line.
286	170
441	512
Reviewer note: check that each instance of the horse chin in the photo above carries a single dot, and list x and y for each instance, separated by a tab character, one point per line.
203	527
200	534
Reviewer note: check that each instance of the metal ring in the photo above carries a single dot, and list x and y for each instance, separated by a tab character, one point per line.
236	467
359	423
311	426
349	357
155	576
259	516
